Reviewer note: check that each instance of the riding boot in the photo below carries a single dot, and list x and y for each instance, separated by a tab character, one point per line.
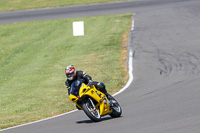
78	107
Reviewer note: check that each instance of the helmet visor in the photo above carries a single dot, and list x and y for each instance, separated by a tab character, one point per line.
70	75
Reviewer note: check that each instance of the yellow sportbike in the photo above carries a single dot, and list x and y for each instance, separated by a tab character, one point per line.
93	102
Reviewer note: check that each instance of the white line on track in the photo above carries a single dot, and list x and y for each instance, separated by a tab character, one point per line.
130	63
40	120
130	74
130	59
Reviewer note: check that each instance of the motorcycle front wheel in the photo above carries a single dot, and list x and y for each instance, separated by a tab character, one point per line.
91	111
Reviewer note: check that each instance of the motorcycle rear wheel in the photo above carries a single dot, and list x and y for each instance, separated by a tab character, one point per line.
117	110
91	111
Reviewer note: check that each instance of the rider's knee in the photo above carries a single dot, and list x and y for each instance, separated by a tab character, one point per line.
102	87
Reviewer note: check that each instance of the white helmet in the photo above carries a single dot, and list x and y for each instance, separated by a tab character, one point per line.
70	72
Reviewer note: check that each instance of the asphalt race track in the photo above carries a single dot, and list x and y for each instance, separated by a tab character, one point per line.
165	94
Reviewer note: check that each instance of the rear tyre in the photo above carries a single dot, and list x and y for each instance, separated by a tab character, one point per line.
91	111
117	111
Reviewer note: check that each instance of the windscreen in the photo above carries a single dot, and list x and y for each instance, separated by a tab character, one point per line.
75	87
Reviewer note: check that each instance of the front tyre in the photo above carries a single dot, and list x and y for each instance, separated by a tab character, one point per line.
91	111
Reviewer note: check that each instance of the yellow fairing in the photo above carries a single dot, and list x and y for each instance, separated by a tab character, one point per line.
102	101
73	98
103	104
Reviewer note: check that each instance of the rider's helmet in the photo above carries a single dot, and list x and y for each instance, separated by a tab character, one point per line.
70	72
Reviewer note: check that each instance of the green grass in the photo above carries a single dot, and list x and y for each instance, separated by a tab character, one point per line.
33	56
6	5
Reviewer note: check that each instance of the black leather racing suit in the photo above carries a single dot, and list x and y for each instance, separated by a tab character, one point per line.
82	75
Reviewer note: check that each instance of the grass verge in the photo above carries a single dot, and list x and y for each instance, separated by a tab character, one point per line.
33	56
7	5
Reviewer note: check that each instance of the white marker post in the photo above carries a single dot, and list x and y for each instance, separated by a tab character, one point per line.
78	28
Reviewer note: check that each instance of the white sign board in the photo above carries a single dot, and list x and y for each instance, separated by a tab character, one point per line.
78	28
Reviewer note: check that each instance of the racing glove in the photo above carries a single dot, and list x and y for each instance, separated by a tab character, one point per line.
90	83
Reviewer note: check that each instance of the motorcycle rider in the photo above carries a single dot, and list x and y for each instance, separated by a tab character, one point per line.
72	75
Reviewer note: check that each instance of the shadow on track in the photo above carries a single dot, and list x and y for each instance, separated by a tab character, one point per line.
90	121
102	119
